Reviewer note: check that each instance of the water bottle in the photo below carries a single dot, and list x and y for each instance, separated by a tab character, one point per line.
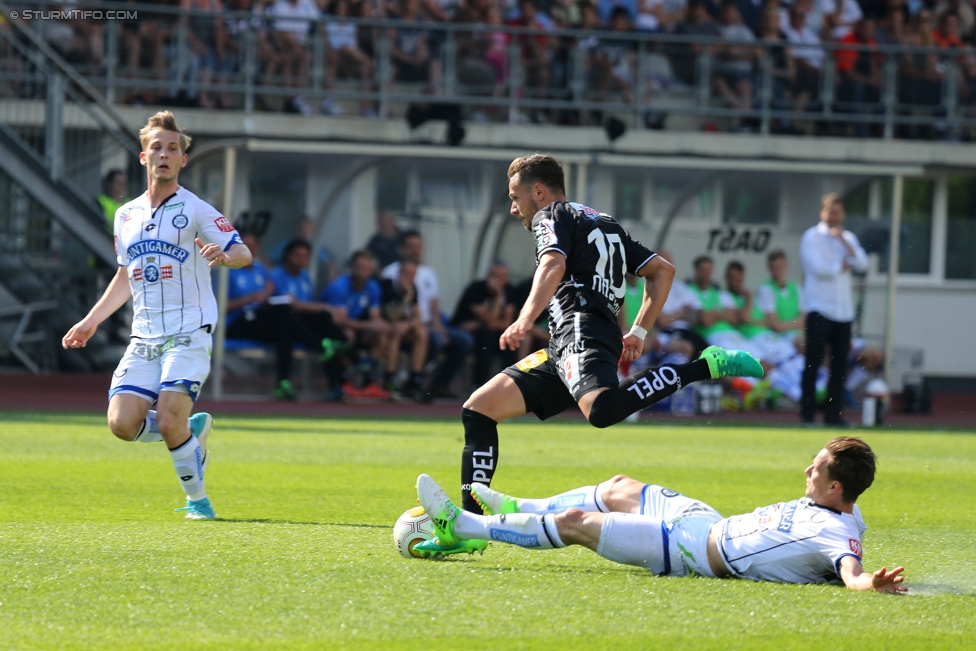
875	397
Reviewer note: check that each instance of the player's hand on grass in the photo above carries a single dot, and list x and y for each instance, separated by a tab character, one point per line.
79	334
633	348
889	582
512	338
212	253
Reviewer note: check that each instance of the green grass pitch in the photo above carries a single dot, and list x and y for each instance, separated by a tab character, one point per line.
93	556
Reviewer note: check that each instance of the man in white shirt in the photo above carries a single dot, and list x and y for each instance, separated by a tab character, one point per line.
829	253
456	342
164	266
814	539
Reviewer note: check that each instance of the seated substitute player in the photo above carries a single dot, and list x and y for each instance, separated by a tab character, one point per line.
175	311
815	539
583	257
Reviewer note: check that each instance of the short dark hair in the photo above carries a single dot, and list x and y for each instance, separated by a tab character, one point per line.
700	259
406	235
539	168
775	255
296	243
361	253
735	264
852	463
109	179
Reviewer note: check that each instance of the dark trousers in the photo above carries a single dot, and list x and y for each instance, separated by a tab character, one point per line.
485	350
280	326
822	332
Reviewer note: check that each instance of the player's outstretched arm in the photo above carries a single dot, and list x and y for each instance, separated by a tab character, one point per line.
659	275
856	578
548	275
115	296
235	257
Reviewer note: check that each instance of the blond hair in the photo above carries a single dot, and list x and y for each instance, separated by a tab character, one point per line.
166	121
830	199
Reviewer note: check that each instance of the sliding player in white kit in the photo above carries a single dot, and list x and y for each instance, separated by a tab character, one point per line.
167	240
815	539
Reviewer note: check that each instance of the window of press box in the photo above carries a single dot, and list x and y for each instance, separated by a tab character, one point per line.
960	263
915	250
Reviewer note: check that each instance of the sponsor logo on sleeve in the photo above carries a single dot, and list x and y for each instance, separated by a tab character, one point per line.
545	234
855	546
224	225
667	492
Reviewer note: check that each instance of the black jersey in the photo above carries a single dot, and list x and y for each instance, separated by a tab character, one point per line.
599	253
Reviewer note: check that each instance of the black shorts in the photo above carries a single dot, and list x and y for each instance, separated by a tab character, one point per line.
582	356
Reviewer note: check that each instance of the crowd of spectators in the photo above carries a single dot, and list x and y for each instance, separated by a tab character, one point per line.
792	33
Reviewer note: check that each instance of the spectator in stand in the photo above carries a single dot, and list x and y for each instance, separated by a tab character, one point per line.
838	17
535	48
293	286
454	343
660	15
920	79
358	298
406	328
290	31
947	37
807	53
606	8
860	73
614	59
143	43
829	253
251	315
383	245
751	12
473	67
891	28
344	56
783	66
411	57
485	310
764	343
684	57
204	29
78	41
964	14
735	78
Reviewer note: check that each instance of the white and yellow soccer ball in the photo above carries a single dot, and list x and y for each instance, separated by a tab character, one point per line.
412	527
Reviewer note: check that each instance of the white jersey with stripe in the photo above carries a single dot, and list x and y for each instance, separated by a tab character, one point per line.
791	542
170	281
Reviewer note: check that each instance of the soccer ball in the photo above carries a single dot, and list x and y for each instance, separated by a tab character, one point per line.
412	527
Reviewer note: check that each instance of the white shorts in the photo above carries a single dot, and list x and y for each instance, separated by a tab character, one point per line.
669	536
686	523
180	363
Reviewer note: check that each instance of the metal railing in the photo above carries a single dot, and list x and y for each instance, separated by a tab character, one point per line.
569	79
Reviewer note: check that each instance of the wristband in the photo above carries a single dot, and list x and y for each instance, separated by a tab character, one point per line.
638	331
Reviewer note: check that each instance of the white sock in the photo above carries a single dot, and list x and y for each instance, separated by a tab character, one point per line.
188	461
523	529
150	430
587	498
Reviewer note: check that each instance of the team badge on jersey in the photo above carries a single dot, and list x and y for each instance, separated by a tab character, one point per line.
181	221
224	225
151	273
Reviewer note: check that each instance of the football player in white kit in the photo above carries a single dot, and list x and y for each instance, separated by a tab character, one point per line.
167	240
814	539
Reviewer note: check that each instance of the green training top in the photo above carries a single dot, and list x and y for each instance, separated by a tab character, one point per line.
710	301
788	306
750	330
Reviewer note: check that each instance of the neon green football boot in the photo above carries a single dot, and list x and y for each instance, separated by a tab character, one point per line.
433	548
731	363
443	514
492	502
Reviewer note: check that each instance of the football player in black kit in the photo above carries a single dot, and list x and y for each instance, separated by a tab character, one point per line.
582	259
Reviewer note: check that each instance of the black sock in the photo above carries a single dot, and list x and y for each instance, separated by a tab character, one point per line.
643	389
479	457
